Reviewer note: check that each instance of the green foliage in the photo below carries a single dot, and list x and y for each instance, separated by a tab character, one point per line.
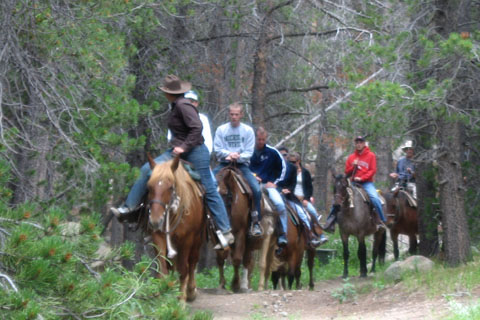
346	293
50	261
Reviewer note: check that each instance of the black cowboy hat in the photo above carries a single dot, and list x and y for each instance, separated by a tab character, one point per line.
173	85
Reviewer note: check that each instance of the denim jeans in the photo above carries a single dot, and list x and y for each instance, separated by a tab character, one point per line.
277	200
372	193
251	180
140	186
200	158
301	213
311	209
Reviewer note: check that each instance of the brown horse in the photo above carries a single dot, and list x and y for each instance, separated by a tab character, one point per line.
176	221
401	219
267	242
290	265
235	195
357	221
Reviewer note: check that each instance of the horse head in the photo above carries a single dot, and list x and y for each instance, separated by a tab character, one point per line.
392	207
162	195
222	178
340	190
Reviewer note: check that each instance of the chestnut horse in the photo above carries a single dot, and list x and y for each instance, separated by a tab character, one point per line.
233	189
357	221
176	221
290	264
401	219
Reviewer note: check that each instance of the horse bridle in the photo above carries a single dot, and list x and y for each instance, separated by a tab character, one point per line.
172	205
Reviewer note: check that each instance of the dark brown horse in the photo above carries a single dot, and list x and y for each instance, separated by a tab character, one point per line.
176	221
235	193
401	219
357	221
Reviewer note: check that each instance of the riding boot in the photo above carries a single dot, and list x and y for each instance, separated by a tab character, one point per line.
281	243
330	224
376	219
255	228
310	237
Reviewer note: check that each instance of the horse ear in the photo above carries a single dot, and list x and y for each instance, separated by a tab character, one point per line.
175	162
151	161
333	172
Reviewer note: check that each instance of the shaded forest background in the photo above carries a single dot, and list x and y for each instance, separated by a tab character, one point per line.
80	104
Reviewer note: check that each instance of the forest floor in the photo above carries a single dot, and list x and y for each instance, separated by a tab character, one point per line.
392	302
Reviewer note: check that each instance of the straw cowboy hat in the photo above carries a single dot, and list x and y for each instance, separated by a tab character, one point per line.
407	145
173	85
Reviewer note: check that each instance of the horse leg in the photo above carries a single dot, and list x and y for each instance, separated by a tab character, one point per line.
310	263
275	277
221	256
394	235
182	268
264	261
161	251
248	263
378	248
346	255
237	258
362	257
192	264
412	243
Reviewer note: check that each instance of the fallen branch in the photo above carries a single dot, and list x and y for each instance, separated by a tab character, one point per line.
330	107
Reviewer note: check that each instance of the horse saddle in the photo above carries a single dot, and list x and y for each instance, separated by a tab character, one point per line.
292	214
411	201
242	184
364	195
200	189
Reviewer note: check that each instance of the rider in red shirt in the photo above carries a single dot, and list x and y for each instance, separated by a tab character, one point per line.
361	166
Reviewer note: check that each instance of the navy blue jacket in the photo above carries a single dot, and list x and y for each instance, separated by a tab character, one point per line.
268	164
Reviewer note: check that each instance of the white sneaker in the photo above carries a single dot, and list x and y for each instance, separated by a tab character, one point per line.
120	211
228	237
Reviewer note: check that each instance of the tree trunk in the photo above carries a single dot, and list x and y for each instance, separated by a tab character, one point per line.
452	196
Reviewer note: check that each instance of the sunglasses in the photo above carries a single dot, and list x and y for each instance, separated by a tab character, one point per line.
284	154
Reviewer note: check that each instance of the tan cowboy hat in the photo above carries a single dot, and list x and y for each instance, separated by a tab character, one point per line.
173	85
408	145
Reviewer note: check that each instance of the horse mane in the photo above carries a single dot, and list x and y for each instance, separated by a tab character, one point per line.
184	185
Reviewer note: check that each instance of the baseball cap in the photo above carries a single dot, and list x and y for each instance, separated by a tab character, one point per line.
191	95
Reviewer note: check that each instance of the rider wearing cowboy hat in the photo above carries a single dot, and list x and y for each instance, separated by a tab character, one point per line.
187	142
405	170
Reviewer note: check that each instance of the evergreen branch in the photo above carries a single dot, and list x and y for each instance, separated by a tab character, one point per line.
85	314
93	272
22	222
10	281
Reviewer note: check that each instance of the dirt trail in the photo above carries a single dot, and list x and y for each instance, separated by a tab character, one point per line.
391	303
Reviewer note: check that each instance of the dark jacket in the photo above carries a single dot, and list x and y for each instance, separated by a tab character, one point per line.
289	182
268	164
307	184
185	125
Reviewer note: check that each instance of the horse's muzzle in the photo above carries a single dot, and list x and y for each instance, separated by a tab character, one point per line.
156	224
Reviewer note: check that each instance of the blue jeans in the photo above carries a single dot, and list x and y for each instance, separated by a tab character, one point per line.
277	200
140	186
200	158
311	209
372	193
301	213
251	180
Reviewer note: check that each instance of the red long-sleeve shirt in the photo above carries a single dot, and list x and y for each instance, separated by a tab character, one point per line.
366	165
